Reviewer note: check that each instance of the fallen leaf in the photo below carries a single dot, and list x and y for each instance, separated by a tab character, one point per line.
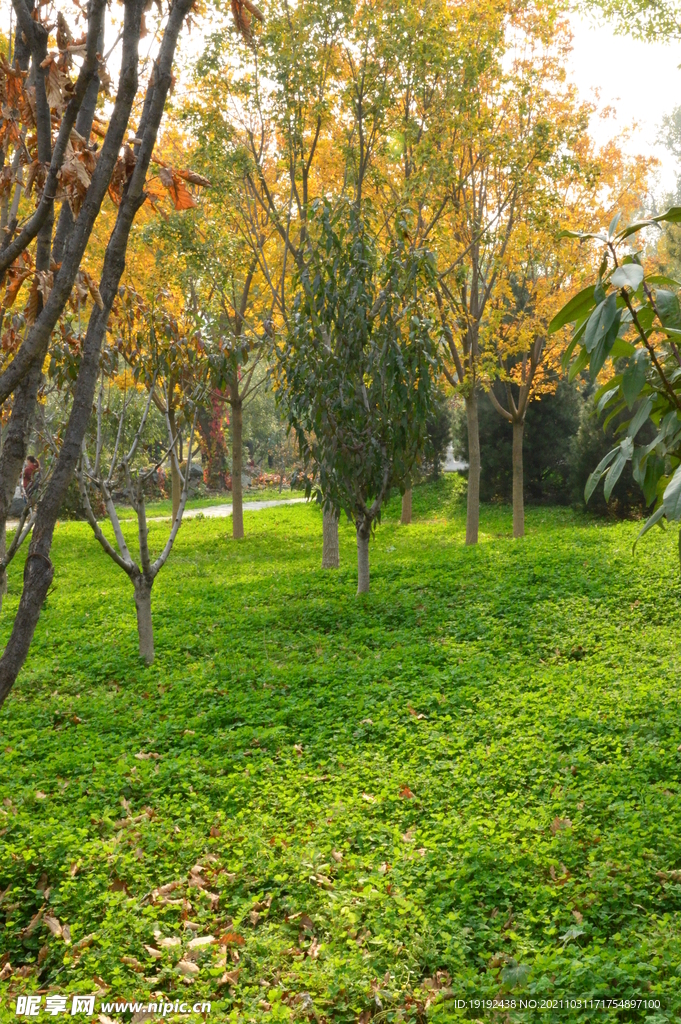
132	961
229	977
39	795
170	942
188	968
338	857
369	798
202	941
153	952
406	793
560	823
32	924
53	924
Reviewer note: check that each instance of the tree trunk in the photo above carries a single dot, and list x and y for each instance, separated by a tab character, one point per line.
145	629
330	556
406	507
3	572
237	489
175	478
473	504
363	559
518	500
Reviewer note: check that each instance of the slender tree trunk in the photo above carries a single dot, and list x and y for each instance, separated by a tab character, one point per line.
406	507
145	629
518	499
175	478
363	535
473	504
330	556
237	489
3	572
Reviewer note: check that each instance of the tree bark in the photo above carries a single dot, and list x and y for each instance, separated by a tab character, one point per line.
237	489
406	508
363	559
518	498
3	552
145	629
175	479
330	556
473	503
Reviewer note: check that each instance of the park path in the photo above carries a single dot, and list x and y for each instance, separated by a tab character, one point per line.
222	511
212	512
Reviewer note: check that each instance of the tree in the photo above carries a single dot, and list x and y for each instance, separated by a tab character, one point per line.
169	357
84	174
355	374
632	321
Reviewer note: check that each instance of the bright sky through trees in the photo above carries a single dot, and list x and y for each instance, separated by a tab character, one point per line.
620	68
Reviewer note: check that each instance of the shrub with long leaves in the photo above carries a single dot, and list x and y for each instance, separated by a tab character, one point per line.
356	369
632	320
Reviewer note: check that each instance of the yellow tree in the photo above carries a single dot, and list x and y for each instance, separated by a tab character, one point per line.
514	137
520	361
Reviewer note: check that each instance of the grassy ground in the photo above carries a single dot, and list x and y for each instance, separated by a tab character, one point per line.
464	786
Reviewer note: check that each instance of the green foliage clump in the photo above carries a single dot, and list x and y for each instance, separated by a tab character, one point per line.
465	786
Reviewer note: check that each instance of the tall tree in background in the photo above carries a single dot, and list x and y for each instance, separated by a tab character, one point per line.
520	361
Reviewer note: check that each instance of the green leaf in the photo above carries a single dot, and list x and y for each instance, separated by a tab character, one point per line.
667	305
642	414
672	496
592	482
605	398
662	279
670	216
629	276
621	348
604	346
567	354
600	322
654	470
514	974
634	377
655	518
577	307
614	411
624	453
579	364
613	225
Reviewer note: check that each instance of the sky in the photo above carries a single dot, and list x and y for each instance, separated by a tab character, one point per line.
641	80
